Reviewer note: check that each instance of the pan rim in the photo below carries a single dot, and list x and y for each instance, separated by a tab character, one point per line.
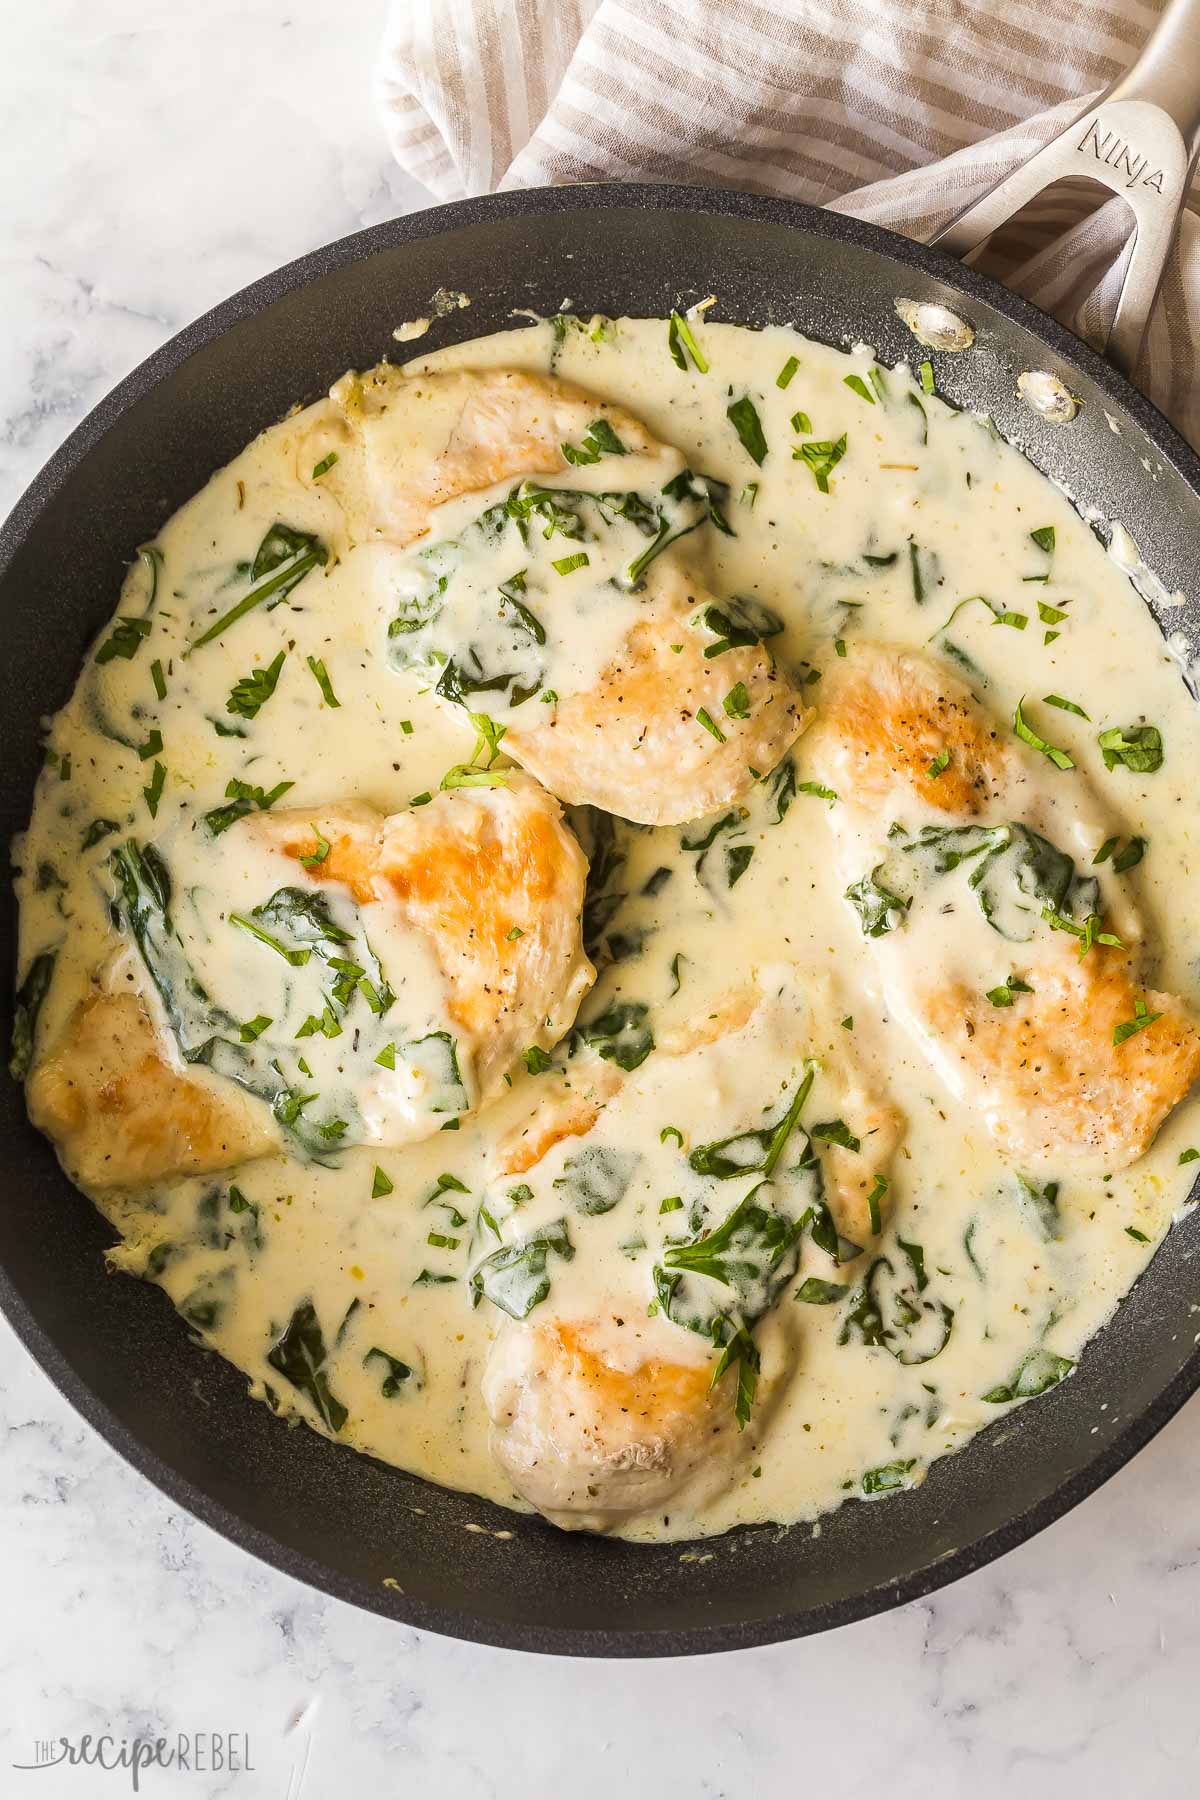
42	490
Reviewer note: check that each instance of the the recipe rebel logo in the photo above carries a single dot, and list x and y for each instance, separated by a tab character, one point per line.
199	1752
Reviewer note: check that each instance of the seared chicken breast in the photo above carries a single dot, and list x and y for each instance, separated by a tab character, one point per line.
489	879
565	605
956	837
600	1410
122	1111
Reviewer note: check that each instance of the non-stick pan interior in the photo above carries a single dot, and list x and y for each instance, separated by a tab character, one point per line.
341	1521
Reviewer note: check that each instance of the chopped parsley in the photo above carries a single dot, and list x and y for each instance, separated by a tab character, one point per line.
252	691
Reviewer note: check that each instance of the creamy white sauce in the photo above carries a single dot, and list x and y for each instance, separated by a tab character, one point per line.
389	1271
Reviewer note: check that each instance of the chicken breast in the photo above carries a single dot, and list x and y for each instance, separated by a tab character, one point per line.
564	607
492	882
596	1421
636	743
408	443
122	1115
1012	959
601	1409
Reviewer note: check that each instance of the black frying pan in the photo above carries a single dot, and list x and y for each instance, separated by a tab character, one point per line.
117	1349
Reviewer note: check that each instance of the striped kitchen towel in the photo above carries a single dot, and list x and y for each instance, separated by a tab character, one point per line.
897	111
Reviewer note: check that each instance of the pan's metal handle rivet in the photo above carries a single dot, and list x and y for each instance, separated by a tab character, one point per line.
1141	139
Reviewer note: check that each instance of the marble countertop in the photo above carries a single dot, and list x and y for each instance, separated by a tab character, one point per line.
157	157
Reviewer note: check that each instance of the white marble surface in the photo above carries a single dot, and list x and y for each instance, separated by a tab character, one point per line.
157	156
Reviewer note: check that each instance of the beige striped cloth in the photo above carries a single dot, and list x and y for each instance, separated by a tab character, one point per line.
896	111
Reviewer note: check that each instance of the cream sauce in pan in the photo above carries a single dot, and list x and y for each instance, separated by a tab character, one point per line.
939	1273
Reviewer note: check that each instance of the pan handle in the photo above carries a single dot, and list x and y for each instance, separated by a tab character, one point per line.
1141	138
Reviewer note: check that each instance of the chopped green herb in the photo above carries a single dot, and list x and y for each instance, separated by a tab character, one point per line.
926	374
1043	537
536	1060
254	1028
320	675
817	789
1025	732
152	746
878	1190
243	799
682	344
822	456
600	440
737	701
253	691
1003	995
939	765
1139	747
784	377
705	718
743	416
563	565
1140	1020
323	467
387	1057
316	856
159	679
672	1131
857	385
1139	1237
1065	705
1189	1156
153	794
127	638
671	1204
381	1185
801	422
